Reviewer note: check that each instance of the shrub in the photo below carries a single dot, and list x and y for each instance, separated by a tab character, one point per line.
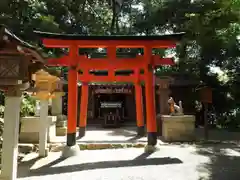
28	105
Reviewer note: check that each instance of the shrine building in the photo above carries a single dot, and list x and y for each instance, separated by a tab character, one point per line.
119	99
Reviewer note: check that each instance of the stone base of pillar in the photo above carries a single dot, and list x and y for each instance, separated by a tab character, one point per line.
70	151
81	132
140	131
152	138
150	149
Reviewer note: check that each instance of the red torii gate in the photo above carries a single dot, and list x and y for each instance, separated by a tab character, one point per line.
77	62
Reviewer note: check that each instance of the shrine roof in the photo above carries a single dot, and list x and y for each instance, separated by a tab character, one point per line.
5	31
174	36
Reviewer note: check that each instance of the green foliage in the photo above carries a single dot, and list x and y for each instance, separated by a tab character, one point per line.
2	111
27	106
211	30
2	98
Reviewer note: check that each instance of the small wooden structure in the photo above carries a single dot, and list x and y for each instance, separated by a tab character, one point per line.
46	87
205	94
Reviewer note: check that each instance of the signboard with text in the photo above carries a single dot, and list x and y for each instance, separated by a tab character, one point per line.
113	91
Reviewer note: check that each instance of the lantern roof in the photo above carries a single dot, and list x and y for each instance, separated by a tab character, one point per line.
23	49
12	47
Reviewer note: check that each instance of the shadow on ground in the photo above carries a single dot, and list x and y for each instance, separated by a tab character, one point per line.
218	134
138	161
224	161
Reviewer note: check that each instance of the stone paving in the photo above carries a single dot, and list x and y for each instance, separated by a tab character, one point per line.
127	135
170	162
212	161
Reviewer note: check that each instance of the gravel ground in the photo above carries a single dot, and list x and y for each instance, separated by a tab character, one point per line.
171	162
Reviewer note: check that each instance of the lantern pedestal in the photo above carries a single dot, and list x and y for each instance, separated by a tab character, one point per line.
30	127
46	87
10	138
43	133
178	128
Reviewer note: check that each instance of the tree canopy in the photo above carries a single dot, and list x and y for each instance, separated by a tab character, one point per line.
211	44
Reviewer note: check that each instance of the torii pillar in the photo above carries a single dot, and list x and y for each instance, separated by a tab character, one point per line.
72	149
150	100
139	109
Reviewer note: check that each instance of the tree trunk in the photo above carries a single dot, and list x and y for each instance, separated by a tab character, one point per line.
113	17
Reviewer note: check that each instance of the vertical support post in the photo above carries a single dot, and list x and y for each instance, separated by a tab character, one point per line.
163	99
10	136
164	96
83	110
205	121
111	52
43	133
93	103
72	106
150	99
72	149
139	109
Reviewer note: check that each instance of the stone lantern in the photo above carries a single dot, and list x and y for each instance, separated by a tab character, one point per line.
57	89
16	59
47	86
13	71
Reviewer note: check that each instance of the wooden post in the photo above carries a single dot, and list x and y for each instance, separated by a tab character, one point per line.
83	110
163	90
206	98
72	107
205	121
139	110
72	149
